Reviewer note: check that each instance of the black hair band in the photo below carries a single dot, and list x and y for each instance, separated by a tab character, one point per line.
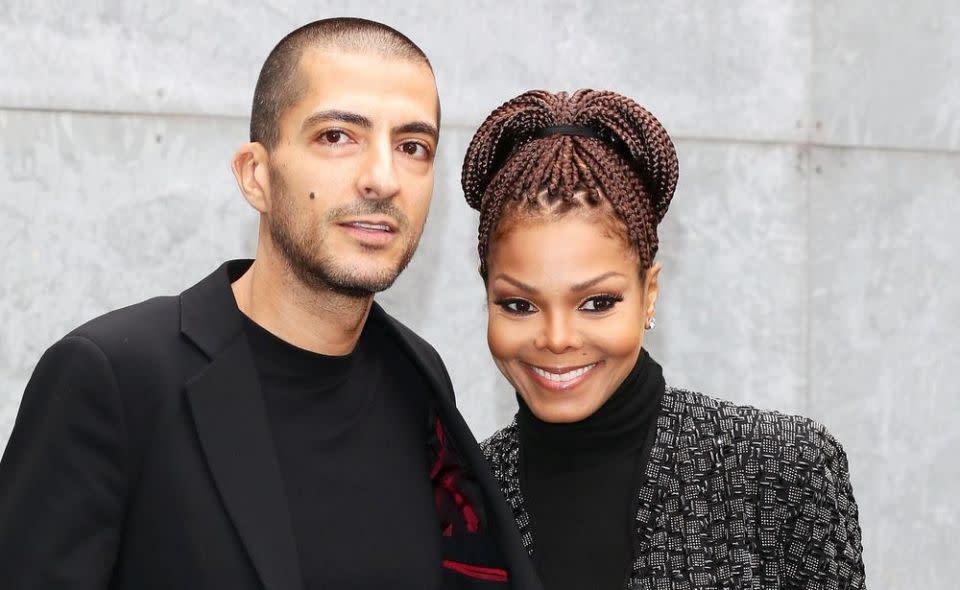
566	130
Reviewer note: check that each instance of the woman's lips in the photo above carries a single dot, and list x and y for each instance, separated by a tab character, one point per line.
562	378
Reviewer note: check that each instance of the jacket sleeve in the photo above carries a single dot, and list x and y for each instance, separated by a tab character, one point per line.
822	545
64	475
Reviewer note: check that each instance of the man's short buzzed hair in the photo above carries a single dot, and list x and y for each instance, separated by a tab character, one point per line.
280	84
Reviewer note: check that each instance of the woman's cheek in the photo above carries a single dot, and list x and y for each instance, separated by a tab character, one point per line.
500	338
504	344
619	337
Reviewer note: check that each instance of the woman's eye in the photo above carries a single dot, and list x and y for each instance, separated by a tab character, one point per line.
334	136
600	303
517	306
415	149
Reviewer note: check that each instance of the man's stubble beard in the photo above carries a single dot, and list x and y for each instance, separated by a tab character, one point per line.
308	255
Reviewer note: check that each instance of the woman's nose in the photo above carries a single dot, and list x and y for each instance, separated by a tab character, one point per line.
559	334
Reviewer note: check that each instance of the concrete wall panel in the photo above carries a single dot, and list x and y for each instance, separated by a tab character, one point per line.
884	309
709	69
887	73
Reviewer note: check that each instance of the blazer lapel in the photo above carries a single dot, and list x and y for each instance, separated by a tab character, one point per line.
231	422
522	573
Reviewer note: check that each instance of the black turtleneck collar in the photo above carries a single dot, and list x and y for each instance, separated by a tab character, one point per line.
291	365
620	426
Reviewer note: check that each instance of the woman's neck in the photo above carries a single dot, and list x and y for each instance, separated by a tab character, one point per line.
618	427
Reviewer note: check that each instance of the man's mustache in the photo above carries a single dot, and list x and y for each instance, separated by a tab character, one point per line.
370	207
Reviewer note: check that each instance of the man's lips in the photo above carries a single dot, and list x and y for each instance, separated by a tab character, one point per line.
374	224
561	377
371	232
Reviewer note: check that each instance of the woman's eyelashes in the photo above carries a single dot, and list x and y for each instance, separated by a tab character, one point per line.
595	304
516	306
601	303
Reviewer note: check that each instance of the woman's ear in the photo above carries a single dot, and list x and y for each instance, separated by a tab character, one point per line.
651	289
250	167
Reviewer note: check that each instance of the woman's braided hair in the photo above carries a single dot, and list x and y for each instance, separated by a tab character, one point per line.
630	166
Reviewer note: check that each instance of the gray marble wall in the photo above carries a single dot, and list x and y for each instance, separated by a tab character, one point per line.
807	258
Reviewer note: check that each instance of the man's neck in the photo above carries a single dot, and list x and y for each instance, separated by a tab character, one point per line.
325	322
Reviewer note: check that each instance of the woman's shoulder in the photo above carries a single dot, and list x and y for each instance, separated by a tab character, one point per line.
500	445
695	421
747	429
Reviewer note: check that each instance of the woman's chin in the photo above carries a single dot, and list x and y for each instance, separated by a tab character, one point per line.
557	411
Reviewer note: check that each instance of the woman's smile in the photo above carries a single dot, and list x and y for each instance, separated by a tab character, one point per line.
562	378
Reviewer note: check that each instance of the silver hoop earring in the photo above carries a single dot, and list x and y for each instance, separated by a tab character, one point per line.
651	323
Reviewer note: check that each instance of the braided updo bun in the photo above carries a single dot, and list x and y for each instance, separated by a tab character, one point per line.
626	160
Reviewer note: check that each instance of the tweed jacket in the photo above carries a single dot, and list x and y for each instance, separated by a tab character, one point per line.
731	497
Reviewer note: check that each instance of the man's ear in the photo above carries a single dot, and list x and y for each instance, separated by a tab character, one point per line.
251	168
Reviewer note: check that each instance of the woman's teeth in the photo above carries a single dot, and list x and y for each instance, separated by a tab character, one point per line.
562	377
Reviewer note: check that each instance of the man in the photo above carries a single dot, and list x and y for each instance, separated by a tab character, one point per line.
272	427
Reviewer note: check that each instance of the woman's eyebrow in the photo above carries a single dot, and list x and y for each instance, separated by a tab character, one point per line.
522	286
589	283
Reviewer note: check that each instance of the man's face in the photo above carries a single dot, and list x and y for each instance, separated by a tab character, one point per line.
352	175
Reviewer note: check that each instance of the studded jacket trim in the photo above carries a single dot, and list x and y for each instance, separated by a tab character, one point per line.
731	497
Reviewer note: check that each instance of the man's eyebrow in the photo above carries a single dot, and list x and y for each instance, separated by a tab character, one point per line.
522	286
421	127
587	284
336	116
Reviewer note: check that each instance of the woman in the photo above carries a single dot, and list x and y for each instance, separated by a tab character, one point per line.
616	480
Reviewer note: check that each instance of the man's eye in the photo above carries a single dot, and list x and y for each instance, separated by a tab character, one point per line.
517	306
600	303
334	136
415	149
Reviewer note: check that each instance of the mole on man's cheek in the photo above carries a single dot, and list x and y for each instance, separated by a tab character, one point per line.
313	196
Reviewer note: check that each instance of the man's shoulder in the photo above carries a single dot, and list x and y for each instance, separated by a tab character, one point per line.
418	350
155	323
379	314
135	325
423	350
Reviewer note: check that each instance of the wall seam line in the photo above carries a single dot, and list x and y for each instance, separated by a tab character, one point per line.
460	126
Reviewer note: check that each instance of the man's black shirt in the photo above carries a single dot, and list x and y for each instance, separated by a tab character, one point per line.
351	439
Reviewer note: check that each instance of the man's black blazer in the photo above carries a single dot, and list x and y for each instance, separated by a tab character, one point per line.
141	459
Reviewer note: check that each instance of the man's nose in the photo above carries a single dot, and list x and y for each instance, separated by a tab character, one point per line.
378	174
559	334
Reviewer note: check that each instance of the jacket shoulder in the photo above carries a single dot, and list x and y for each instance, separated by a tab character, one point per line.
414	340
423	351
139	335
793	440
501	443
137	322
796	474
143	345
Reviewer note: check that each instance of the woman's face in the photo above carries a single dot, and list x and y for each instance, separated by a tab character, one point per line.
566	313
